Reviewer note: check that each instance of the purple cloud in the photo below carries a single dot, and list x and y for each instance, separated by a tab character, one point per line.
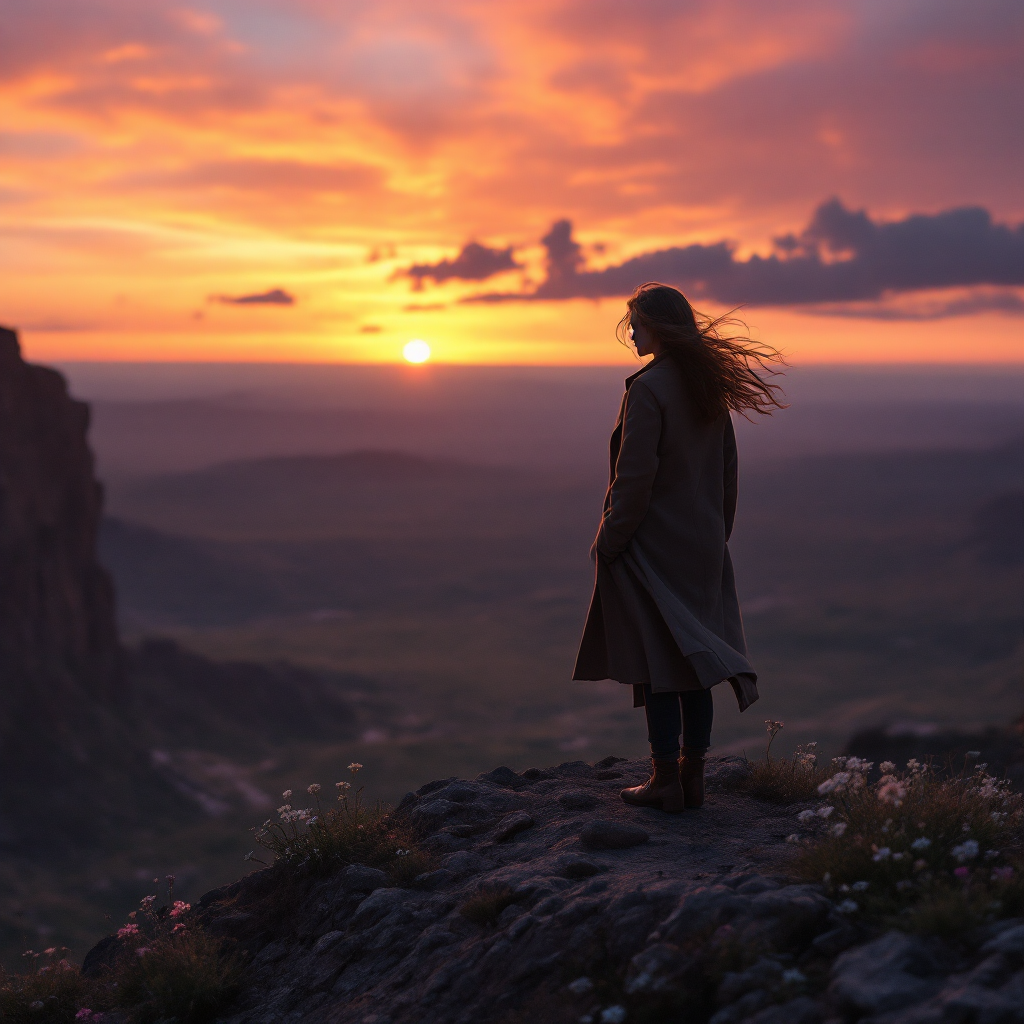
841	256
475	263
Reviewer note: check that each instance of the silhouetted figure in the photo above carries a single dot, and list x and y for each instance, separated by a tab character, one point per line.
664	616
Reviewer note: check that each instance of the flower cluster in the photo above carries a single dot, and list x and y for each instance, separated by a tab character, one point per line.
914	834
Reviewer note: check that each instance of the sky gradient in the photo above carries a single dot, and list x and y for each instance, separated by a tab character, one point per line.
309	180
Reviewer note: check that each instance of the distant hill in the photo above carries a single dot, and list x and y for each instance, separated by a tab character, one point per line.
366	494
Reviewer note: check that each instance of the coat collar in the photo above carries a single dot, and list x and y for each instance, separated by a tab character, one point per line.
643	369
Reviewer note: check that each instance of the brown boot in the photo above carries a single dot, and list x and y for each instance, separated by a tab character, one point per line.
691	778
661	790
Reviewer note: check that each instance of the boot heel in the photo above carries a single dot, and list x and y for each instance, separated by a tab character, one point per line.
691	780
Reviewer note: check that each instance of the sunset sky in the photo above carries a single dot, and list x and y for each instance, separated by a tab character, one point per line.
493	177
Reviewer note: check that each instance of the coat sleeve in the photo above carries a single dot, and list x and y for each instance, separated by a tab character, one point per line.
635	469
731	472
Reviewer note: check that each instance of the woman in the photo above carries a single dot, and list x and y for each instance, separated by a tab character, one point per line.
664	615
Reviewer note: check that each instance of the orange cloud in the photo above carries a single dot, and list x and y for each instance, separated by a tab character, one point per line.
156	153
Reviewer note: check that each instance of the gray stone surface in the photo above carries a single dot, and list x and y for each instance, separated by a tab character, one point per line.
698	921
891	972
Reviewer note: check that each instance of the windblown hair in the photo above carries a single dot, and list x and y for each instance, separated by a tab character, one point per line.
723	371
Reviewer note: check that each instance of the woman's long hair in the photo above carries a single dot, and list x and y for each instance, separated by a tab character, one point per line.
723	371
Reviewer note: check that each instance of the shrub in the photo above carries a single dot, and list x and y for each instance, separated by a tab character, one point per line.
915	849
53	993
320	841
486	905
168	968
187	977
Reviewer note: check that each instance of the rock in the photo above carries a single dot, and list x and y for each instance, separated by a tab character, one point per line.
66	735
1010	941
463	863
756	885
535	774
575	867
437	784
831	943
578	800
797	1011
502	777
888	974
659	968
742	1009
359	878
612	835
765	974
511	825
436	879
726	772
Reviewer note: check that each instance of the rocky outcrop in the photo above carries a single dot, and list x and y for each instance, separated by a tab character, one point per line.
70	768
602	914
57	629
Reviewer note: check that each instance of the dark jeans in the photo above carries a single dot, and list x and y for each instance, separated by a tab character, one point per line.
689	712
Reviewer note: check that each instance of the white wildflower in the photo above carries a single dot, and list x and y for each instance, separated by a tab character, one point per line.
991	854
973	754
284	809
313	789
967	850
898	856
613	1015
794	977
805	816
794	838
886	767
287	794
882	854
847	907
824	812
839	828
860	886
855	764
835	784
354	767
580	987
921	844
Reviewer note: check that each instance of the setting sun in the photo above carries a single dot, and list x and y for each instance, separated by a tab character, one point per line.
416	351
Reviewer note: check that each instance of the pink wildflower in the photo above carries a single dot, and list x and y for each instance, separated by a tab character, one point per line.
127	931
1002	874
177	928
962	873
180	908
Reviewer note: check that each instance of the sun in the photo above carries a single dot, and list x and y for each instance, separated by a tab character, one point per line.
416	351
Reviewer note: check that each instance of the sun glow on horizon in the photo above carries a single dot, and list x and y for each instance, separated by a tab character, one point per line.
416	351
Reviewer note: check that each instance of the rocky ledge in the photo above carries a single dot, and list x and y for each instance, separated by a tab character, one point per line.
591	911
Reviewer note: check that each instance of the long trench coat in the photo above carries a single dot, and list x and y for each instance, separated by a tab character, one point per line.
664	609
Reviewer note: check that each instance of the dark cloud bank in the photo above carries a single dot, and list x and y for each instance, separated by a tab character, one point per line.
842	256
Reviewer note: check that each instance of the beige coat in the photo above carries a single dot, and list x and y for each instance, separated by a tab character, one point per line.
664	609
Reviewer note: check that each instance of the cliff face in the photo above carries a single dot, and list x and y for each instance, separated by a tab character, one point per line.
57	631
70	768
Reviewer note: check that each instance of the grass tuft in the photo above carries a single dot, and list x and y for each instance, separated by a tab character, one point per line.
485	906
782	781
188	978
320	841
52	993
